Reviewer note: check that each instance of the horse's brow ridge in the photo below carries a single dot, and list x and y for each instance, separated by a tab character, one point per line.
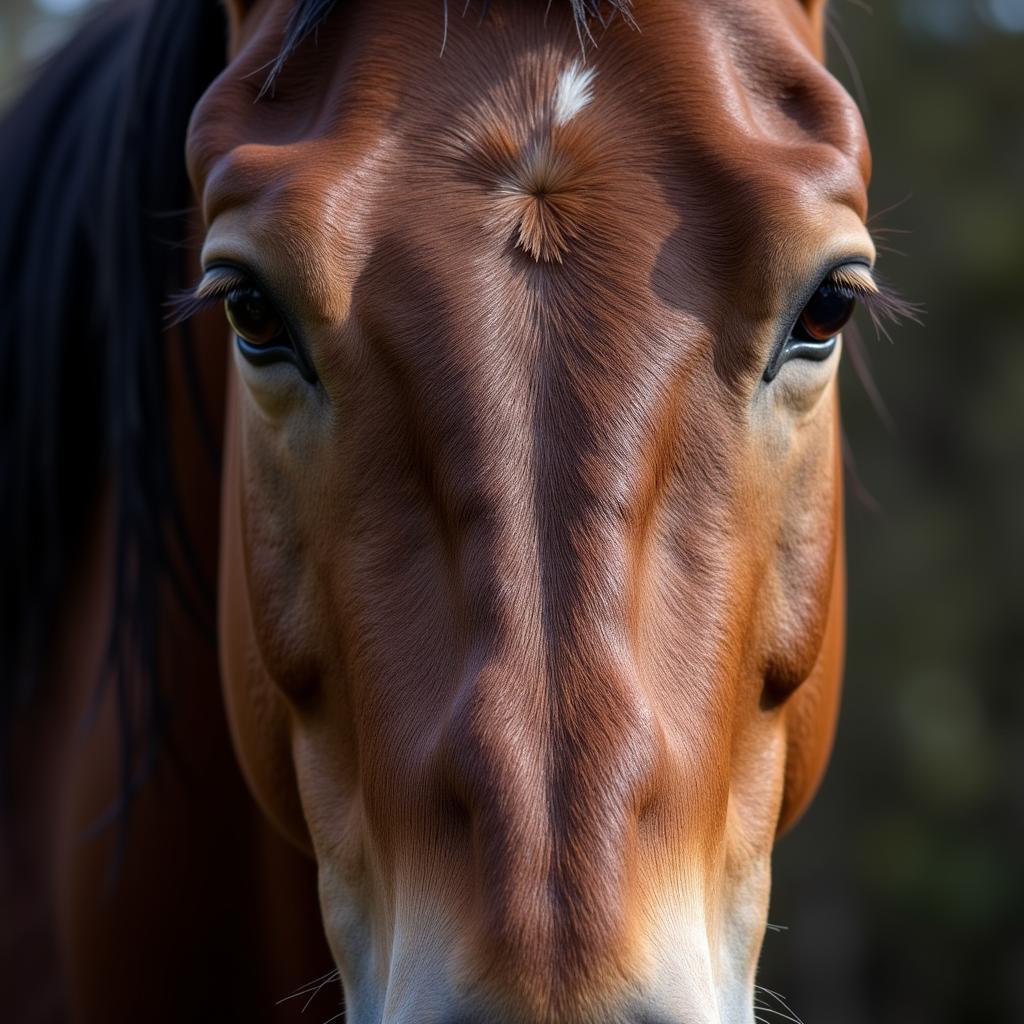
307	16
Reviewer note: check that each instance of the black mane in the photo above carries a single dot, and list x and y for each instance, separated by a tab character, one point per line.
94	186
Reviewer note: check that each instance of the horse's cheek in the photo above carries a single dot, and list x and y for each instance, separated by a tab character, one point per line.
801	624
811	712
257	711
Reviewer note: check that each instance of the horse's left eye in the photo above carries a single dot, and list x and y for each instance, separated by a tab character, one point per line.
253	318
261	332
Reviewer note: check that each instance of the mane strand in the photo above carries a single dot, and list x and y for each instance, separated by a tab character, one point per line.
93	170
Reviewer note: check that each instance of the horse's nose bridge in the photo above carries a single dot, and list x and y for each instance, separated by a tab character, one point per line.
493	749
552	766
609	744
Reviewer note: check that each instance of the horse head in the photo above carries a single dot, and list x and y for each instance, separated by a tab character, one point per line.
531	584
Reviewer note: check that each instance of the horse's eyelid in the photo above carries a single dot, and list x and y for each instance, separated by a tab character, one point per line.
217	282
860	282
213	286
856	278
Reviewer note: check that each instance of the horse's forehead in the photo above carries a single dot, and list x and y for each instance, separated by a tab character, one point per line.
702	140
718	76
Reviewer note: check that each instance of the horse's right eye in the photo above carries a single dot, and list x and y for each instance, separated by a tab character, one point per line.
825	315
253	318
814	336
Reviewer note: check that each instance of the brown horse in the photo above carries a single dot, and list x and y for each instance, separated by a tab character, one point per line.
528	541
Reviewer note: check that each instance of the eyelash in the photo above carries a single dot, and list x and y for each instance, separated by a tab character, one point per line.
195	300
884	305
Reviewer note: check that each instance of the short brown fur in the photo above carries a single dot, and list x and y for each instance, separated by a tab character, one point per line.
531	608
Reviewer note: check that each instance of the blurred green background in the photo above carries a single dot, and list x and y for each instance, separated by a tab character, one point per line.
900	897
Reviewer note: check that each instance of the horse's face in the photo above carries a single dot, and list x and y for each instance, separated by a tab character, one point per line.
532	571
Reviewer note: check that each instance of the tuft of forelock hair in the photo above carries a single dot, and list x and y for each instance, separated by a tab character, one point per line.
306	16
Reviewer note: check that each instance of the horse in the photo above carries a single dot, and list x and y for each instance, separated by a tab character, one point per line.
423	576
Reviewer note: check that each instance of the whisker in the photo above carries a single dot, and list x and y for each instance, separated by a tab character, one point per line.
781	1001
889	209
315	985
778	1013
888	249
328	980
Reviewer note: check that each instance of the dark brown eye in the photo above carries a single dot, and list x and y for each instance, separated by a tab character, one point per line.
253	317
814	336
825	315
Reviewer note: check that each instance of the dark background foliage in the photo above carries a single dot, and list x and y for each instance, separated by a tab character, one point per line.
902	891
900	897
